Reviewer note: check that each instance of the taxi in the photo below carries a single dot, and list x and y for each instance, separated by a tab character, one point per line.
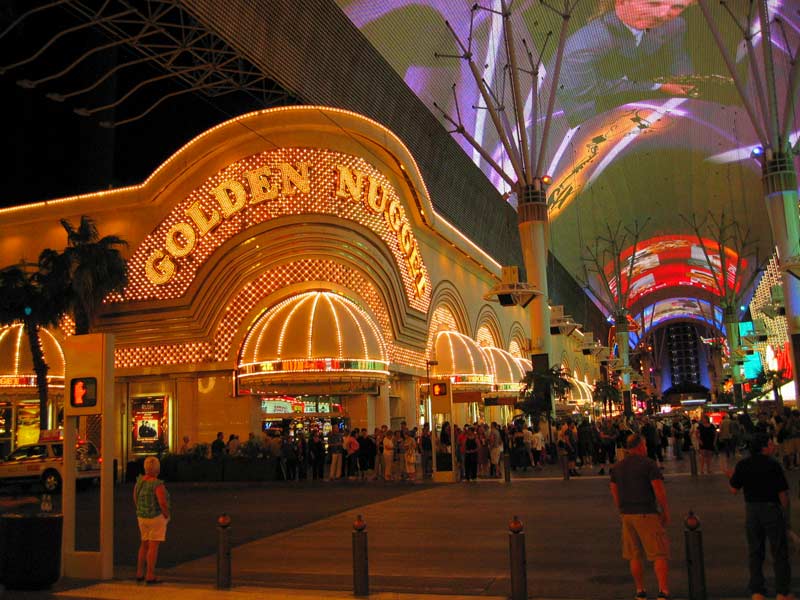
43	462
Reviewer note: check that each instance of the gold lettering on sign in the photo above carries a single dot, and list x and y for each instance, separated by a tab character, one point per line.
376	202
353	191
293	180
350	187
231	197
175	247
260	187
266	183
204	223
159	267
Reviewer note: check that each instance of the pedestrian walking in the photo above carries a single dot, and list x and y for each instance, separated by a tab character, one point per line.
637	487
707	435
316	455
388	455
470	455
410	456
335	449
766	515
151	499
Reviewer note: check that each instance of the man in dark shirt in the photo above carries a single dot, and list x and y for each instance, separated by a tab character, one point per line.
637	486
766	515
218	446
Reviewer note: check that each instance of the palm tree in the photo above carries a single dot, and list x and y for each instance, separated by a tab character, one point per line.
95	268
34	294
537	389
606	394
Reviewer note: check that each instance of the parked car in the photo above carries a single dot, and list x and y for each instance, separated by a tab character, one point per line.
44	462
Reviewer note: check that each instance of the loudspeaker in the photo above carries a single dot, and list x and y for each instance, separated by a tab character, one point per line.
506	299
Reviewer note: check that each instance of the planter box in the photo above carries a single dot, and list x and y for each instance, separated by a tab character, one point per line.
250	469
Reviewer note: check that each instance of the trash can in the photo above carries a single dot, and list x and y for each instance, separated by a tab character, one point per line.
30	550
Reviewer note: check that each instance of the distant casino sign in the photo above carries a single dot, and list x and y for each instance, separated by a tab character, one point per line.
17	380
284	181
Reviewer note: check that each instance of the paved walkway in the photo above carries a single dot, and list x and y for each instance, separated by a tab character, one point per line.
447	541
123	590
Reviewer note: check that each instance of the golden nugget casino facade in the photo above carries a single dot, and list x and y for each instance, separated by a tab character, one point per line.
284	265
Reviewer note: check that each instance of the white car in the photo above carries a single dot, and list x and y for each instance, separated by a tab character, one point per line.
44	462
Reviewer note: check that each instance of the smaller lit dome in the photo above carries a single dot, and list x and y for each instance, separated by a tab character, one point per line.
508	372
461	359
313	336
16	361
525	364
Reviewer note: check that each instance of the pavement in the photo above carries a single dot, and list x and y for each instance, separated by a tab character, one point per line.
425	541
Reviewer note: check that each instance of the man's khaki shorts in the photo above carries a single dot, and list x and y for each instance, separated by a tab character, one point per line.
153	530
647	531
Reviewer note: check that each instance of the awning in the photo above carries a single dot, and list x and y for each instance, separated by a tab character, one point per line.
581	392
317	338
463	361
508	371
16	360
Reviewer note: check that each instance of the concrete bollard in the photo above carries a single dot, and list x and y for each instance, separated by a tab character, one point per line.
223	553
360	558
693	461
517	560
562	458
695	563
507	466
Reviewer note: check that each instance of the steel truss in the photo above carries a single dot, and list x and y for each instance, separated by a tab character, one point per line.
160	33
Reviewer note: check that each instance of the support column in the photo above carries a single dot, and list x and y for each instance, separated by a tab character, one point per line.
780	194
622	336
534	233
382	413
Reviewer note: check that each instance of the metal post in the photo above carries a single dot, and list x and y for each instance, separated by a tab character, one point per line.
695	565
224	553
693	460
516	553
507	466
360	558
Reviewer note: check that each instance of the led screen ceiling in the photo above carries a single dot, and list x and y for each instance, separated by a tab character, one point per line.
682	309
647	119
675	261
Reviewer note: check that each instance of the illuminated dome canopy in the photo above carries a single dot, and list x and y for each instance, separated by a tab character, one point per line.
508	370
16	361
312	337
462	360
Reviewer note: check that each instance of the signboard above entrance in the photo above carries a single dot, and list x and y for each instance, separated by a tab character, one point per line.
270	185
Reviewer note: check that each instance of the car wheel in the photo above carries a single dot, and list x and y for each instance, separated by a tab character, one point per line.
51	481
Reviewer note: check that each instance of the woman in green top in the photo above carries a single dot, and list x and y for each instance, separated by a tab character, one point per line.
151	499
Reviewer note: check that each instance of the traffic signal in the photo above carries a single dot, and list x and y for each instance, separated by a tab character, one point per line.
89	372
439	389
83	392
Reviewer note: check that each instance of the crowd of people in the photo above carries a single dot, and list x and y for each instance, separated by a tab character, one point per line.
632	449
407	454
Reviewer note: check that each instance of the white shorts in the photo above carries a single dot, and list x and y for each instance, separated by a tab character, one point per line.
153	529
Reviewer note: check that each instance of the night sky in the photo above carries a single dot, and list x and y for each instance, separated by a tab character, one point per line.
54	152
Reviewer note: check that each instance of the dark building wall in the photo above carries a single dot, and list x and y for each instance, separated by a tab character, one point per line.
564	290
